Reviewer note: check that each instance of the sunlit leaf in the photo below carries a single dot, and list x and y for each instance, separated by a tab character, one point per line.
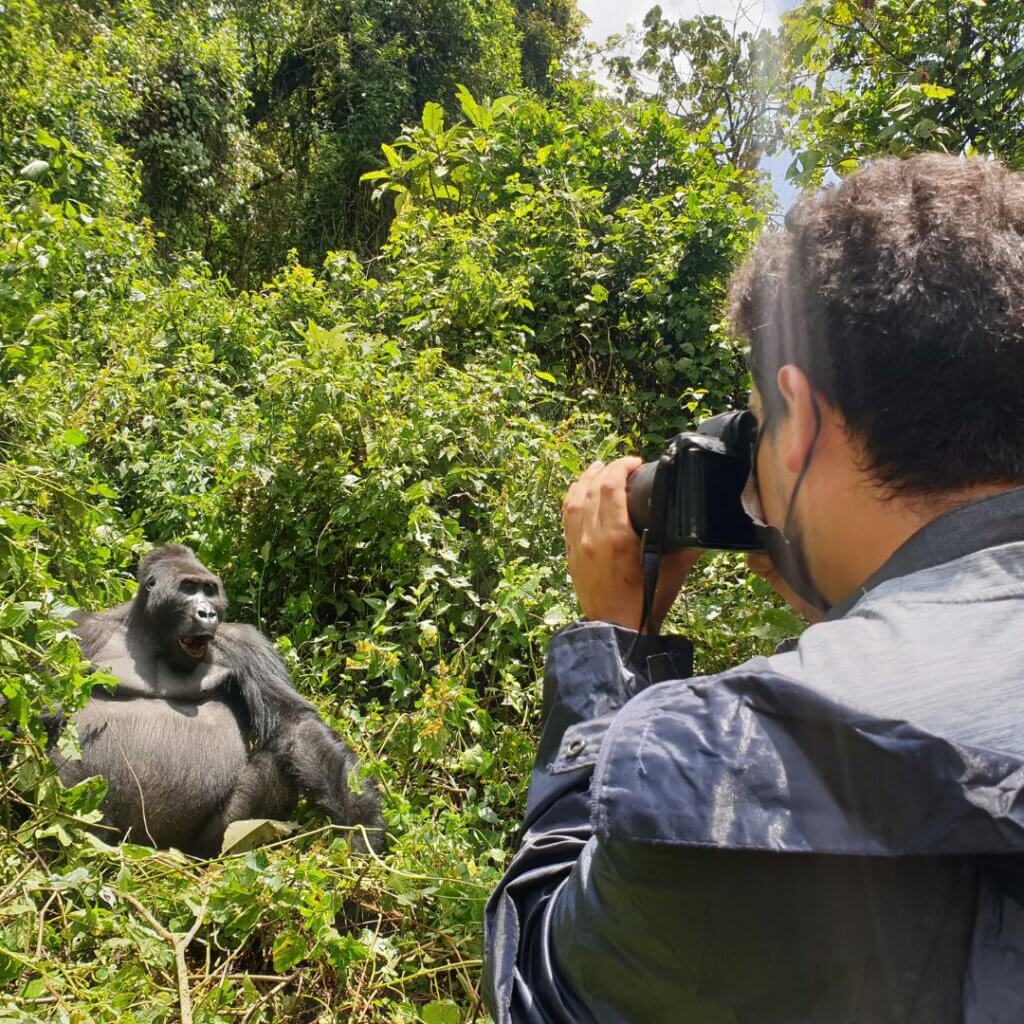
34	170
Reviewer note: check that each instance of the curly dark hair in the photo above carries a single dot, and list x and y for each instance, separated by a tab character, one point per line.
900	293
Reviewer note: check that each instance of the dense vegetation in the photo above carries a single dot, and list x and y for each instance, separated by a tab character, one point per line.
278	280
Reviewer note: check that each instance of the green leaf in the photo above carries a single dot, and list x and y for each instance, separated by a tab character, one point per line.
16	615
245	835
44	138
556	616
74	438
440	1013
477	116
502	105
433	118
391	154
924	128
935	92
545	376
72	880
289	948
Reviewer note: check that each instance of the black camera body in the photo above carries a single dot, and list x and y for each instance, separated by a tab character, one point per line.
690	497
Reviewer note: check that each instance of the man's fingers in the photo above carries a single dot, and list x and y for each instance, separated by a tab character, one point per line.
575	503
614	511
591	523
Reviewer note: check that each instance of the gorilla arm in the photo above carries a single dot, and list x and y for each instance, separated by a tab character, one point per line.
290	740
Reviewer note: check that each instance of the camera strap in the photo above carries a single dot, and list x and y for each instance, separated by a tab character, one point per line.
650	559
650	542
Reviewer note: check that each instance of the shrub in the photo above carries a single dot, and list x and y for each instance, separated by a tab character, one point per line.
372	454
597	236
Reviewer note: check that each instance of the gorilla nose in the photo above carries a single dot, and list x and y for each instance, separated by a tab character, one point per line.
207	614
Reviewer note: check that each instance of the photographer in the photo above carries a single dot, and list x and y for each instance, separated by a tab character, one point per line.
834	834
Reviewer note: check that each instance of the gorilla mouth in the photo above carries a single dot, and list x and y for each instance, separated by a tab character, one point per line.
195	646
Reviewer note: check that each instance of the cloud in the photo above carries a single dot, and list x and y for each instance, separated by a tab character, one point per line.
608	17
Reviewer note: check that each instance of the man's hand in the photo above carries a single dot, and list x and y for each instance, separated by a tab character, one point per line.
761	564
604	550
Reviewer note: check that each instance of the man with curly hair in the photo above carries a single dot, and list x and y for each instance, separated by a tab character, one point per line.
834	834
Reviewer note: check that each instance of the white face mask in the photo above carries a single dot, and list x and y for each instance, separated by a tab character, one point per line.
750	499
784	550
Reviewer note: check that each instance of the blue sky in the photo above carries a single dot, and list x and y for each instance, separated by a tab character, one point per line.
610	16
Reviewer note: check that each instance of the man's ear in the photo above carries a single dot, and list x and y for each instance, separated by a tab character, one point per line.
801	419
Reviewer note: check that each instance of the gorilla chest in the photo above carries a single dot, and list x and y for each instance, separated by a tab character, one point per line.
142	672
169	764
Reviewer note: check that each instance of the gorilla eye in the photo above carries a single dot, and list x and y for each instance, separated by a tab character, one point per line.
209	590
188	586
150	582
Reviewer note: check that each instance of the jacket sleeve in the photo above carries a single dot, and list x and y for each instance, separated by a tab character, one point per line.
592	670
702	912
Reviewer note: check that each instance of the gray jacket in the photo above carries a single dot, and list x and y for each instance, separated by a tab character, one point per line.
832	835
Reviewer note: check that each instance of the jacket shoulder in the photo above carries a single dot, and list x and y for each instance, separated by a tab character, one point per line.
753	760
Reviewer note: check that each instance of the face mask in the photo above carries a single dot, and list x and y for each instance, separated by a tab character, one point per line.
784	548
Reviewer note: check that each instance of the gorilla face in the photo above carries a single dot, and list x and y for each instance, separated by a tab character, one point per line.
181	603
200	613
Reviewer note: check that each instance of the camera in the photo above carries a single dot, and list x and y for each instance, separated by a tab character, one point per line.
690	497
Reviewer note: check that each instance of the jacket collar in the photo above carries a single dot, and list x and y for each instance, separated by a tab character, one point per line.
987	523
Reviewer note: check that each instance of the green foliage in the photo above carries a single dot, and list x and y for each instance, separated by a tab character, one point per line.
373	455
339	81
710	73
242	128
550	30
903	76
396	532
188	132
50	89
595	235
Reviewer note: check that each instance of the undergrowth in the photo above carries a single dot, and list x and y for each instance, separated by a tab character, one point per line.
372	453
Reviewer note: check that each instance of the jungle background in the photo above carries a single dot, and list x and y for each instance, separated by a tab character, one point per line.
343	293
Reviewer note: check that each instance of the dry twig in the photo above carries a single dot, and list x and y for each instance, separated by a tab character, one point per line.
179	943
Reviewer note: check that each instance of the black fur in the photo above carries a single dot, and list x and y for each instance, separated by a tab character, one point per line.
189	744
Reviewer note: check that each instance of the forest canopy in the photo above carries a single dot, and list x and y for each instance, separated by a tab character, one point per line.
343	293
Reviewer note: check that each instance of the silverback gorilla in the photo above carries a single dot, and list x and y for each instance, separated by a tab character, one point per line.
205	727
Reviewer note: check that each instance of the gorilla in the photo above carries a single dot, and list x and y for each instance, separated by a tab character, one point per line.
205	727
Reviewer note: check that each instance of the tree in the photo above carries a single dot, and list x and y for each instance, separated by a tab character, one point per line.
329	83
708	72
550	28
900	76
597	234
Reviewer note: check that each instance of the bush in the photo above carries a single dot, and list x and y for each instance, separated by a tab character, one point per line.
373	455
597	236
398	534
